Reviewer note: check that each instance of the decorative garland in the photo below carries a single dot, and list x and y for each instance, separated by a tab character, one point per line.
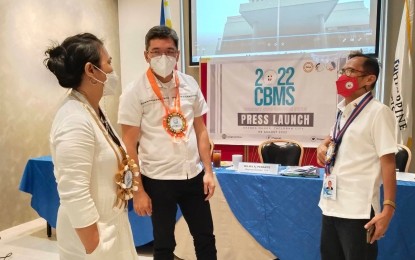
174	121
128	169
126	183
175	124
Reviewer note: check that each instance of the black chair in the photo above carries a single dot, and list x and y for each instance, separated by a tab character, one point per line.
281	151
403	158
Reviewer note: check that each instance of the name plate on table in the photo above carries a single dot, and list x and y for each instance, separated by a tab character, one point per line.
266	168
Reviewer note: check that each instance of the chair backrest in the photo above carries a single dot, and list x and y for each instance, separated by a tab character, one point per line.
281	151
403	158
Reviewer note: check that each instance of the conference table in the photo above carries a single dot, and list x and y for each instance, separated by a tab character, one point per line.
256	216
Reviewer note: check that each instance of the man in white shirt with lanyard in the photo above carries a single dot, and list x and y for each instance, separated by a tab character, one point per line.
163	112
358	156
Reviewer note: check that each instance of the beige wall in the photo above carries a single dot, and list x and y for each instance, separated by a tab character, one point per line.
29	93
136	18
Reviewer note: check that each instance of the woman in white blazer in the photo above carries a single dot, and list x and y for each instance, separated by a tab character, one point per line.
94	175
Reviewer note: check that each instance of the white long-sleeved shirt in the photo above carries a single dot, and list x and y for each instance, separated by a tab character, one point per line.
84	166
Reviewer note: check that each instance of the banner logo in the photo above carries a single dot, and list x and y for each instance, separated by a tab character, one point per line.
274	88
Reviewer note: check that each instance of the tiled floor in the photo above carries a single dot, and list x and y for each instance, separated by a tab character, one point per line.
30	242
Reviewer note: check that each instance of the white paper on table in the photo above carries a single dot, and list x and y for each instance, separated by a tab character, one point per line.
405	176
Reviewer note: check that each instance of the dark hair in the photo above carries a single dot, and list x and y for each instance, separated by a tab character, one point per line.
67	60
370	65
161	32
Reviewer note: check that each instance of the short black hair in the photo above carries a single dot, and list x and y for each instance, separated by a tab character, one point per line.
67	60
161	32
370	65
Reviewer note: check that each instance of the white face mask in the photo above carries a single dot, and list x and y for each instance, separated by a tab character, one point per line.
163	65
110	84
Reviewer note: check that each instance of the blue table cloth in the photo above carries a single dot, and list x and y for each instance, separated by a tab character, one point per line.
282	214
38	180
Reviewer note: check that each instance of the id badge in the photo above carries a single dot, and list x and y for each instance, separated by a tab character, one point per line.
329	187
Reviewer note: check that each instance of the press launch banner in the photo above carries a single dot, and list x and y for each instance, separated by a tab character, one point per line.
289	96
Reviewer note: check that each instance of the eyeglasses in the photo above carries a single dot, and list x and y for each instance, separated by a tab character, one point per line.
350	71
157	53
6	256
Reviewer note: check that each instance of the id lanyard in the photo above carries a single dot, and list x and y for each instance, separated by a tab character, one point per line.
174	121
337	137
